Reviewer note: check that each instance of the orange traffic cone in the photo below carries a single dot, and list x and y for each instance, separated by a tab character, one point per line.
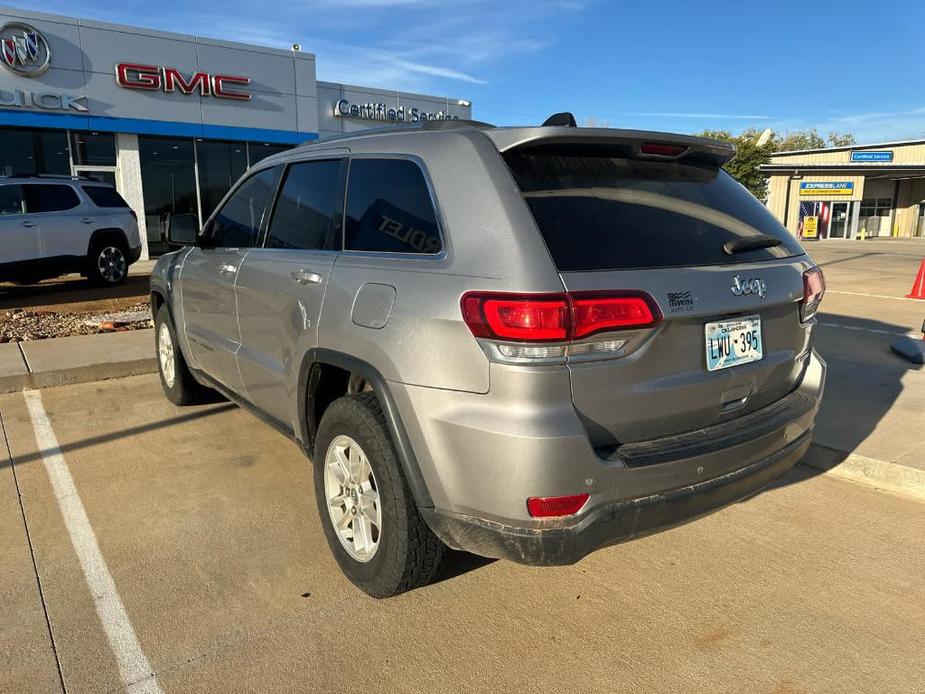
918	287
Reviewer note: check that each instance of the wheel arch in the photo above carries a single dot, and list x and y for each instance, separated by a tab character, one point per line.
112	234
310	375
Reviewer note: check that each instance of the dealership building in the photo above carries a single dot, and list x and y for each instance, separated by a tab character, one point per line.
172	120
857	192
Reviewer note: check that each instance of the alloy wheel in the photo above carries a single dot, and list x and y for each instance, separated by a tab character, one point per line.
111	264
165	355
352	498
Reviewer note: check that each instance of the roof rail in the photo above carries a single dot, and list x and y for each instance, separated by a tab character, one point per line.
429	125
59	177
452	123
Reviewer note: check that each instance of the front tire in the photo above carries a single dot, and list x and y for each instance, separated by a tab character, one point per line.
179	385
371	523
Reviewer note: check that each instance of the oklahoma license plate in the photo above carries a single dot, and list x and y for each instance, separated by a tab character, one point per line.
733	342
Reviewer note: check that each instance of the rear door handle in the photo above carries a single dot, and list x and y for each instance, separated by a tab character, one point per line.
227	269
88	220
305	277
30	224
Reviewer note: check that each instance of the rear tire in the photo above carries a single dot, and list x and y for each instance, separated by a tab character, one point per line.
107	263
400	554
179	385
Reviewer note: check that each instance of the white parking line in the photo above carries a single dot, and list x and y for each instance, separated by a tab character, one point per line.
134	668
872	296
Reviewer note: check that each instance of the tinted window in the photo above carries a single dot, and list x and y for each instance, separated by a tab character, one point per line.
98	149
389	208
238	223
168	180
219	165
34	151
49	198
307	210
608	212
10	200
104	196
262	150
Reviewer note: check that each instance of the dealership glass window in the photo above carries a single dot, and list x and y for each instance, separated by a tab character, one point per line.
389	208
237	224
168	180
26	151
308	207
94	148
876	207
262	150
220	165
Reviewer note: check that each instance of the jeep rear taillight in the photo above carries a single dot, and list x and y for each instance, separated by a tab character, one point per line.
813	291
517	317
548	328
603	313
560	317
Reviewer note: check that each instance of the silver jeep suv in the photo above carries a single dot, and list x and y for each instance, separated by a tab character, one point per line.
525	343
54	225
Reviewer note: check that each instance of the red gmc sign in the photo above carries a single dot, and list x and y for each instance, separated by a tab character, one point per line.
169	79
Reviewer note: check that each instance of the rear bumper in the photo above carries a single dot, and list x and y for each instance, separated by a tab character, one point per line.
133	254
614	522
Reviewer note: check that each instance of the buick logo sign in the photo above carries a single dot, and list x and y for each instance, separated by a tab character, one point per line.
753	286
23	50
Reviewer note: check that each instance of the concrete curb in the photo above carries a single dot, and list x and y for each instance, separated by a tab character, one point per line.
68	360
893	477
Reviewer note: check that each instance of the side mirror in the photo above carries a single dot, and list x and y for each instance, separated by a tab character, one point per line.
183	229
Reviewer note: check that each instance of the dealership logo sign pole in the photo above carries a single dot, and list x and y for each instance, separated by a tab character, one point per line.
23	50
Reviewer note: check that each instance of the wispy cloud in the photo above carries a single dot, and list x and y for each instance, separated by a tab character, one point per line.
436	71
413	45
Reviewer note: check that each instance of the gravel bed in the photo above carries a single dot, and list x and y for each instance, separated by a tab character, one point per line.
22	325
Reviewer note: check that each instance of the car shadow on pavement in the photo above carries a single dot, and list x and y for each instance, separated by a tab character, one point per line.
863	383
69	290
457	563
120	434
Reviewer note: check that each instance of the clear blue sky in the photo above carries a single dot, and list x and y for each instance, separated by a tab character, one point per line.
851	65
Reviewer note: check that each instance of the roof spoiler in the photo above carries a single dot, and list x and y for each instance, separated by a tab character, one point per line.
640	144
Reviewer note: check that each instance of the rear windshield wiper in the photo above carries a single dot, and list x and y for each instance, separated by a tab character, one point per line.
751	243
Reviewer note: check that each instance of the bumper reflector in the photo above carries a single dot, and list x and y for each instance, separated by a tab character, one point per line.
554	506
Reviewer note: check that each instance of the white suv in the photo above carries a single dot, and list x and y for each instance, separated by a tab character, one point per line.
51	226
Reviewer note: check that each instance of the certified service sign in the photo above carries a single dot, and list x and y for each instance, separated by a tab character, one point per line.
23	49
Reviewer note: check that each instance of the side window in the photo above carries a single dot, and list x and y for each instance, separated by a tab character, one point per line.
49	198
237	224
10	200
308	210
103	196
389	208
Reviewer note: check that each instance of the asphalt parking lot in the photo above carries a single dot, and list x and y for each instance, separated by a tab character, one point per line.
152	548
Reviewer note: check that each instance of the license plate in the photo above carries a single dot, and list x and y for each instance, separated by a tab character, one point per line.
733	342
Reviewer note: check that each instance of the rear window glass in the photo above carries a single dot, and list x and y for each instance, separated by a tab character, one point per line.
389	208
613	213
49	198
103	196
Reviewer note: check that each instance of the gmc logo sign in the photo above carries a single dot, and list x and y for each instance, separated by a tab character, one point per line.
169	79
